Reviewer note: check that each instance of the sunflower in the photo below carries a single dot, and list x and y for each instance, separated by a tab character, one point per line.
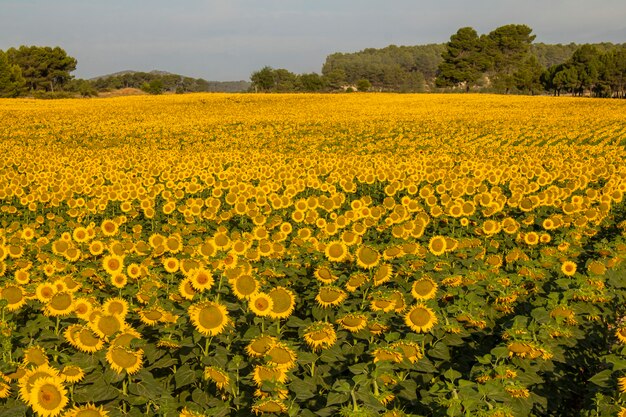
113	264
22	276
410	350
217	376
355	281
87	410
186	290
83	308
382	274
106	325
5	390
108	227
117	305
336	251
35	355
171	264
568	268
382	301
60	304
531	238
72	374
621	334
119	280
201	279
14	296
437	245
83	338
424	289
269	373
283	302
28	379
420	318
244	286
259	346
621	382
387	354
329	295
269	405
353	322
121	359
281	356
209	317
367	257
261	304
151	316
48	396
325	275
320	335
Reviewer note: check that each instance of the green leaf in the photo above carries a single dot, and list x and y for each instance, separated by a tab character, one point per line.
337	398
440	351
303	388
184	376
600	379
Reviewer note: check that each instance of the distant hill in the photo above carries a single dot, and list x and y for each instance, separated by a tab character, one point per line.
163	81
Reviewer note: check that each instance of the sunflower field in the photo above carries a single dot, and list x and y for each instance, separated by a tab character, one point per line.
313	255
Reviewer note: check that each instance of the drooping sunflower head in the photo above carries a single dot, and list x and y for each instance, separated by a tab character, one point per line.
320	335
353	322
383	274
269	405
72	374
60	304
281	356
121	359
35	355
218	376
355	281
329	296
259	346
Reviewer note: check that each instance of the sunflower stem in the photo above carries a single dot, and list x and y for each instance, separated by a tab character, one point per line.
56	327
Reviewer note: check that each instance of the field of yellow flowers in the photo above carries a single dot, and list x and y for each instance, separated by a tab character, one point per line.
313	255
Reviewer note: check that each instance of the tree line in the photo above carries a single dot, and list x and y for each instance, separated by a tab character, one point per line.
44	71
503	61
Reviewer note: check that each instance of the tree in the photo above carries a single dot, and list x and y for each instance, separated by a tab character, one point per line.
463	60
263	80
153	87
311	82
43	67
507	47
11	80
586	61
363	85
528	75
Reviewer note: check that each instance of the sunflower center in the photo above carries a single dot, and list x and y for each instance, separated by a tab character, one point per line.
329	295
49	397
261	304
109	325
423	287
280	356
87	338
352	321
281	300
368	256
420	317
319	335
246	284
61	301
124	359
336	250
270	407
210	317
12	294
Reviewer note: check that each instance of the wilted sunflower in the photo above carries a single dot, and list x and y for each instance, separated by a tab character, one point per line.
260	304
35	355
72	374
320	335
353	322
325	275
269	405
259	346
117	306
269	373
209	317
283	302
218	376
387	354
329	295
355	281
424	289
186	290
382	274
420	318
87	410
410	350
48	396
122	358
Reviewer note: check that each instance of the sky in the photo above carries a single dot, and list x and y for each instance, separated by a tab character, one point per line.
226	40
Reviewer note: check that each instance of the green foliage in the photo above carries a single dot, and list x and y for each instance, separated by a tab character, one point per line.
463	60
44	68
11	80
363	85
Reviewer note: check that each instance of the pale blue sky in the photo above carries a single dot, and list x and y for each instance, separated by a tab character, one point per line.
228	39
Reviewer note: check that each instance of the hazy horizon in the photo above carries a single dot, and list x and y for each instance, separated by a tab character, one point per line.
228	40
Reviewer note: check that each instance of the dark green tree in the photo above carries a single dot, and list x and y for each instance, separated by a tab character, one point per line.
528	75
587	63
263	80
311	82
463	60
363	85
43	67
11	80
507	47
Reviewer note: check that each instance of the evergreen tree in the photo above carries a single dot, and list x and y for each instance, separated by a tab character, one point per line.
463	60
11	80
